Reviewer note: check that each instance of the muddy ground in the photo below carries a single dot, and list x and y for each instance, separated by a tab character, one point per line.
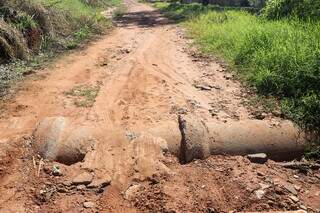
116	97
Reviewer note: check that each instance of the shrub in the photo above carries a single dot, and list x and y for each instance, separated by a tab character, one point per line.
303	9
12	44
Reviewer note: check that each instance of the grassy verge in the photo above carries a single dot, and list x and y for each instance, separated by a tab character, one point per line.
280	58
33	31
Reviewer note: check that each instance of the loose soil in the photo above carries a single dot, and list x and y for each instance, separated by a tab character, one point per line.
144	73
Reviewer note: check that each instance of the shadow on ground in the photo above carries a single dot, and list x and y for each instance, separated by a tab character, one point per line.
144	19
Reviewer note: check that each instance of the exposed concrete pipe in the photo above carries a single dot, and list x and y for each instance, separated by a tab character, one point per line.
56	138
198	140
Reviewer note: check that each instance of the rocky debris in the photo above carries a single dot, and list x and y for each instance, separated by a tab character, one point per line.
84	178
62	189
81	187
132	191
228	76
104	63
88	204
260	193
294	198
213	112
264	186
290	188
258	158
44	195
179	110
206	86
125	50
202	87
100	183
303	207
260	116
131	135
303	167
67	183
298	188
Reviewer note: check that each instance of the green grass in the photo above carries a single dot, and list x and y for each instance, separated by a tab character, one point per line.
280	58
83	95
79	8
86	18
302	9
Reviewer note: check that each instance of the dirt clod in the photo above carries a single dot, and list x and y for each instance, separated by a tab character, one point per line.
88	204
84	178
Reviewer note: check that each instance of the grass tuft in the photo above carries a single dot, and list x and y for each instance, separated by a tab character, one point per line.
83	95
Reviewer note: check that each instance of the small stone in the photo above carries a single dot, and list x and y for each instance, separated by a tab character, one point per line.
279	190
100	183
62	190
132	191
81	187
84	178
291	189
67	183
258	158
296	176
264	186
227	77
88	204
303	207
294	198
202	87
47	170
298	188
260	193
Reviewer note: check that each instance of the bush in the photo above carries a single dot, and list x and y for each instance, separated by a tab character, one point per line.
12	44
303	9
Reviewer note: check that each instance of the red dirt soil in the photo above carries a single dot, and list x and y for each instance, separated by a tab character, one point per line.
146	73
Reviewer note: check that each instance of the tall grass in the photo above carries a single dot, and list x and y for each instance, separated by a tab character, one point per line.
279	58
29	27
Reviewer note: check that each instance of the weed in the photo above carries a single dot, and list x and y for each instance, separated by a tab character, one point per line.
79	36
25	22
84	95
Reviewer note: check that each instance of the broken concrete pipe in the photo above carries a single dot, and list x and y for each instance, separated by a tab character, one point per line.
194	139
199	139
58	140
189	138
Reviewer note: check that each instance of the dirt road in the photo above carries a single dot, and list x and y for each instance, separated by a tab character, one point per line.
120	91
